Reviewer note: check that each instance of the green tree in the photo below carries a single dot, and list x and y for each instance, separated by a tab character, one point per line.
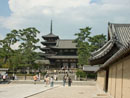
25	55
87	44
15	60
28	45
83	45
80	73
97	41
6	51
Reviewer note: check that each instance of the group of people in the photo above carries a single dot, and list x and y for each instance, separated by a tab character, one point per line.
66	79
49	80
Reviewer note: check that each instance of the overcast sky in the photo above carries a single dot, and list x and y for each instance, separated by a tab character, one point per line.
67	15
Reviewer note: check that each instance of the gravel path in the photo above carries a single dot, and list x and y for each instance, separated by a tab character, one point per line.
69	92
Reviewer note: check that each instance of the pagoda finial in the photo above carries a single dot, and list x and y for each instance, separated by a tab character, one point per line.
51	28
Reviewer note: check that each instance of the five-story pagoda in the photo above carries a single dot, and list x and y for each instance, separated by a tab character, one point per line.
50	41
61	53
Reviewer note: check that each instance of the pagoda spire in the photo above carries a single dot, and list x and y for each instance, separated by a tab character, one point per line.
51	28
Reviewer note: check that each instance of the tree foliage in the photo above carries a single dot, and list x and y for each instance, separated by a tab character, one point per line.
97	41
83	45
28	45
80	73
25	55
87	44
6	51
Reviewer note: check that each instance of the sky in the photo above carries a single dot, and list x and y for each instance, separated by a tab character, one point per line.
68	15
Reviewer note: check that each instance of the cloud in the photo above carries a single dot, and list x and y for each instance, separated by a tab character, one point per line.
1	37
68	15
15	46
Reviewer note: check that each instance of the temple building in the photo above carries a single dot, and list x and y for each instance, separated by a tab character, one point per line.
62	53
113	75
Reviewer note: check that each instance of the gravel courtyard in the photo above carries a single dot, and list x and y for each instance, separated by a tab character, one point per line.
21	90
68	92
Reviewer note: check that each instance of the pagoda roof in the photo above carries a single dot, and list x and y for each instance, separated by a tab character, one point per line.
44	48
63	57
50	35
65	44
48	43
118	36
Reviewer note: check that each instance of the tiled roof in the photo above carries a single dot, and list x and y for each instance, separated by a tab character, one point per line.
118	34
46	42
65	44
121	32
50	35
47	62
102	51
44	48
90	68
64	57
122	52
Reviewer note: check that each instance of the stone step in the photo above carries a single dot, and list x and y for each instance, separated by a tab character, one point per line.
77	83
59	76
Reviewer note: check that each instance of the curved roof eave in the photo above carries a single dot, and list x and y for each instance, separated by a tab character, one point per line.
102	51
123	51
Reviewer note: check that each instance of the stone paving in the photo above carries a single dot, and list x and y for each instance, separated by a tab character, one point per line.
21	90
41	91
69	92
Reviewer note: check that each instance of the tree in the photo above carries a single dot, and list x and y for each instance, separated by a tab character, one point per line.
25	55
97	41
6	51
80	73
87	44
28	45
83	45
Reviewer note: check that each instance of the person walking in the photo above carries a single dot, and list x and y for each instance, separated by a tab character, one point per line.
51	81
69	81
35	79
47	80
4	77
64	80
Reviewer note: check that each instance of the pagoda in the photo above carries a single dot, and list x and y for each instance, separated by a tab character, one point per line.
50	41
62	53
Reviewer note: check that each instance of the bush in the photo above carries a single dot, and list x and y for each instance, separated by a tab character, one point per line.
81	73
91	75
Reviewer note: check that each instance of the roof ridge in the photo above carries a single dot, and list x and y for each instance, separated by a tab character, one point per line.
120	23
67	39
